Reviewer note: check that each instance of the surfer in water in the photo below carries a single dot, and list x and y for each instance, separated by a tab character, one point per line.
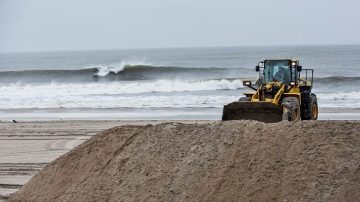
96	71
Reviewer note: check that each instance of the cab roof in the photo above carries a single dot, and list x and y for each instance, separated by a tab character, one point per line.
289	59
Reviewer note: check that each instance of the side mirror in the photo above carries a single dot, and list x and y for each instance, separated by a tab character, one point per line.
246	83
257	68
299	68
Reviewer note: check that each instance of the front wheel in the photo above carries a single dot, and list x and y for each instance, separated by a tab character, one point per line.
291	109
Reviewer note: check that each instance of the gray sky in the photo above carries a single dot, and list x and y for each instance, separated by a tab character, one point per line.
38	25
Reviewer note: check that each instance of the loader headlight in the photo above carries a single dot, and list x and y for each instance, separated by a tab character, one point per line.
293	83
246	83
293	63
261	64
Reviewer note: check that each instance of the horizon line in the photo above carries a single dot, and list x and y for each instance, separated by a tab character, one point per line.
174	47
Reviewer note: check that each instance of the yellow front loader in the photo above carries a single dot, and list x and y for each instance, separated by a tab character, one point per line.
280	94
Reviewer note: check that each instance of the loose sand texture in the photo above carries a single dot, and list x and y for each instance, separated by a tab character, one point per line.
219	161
27	147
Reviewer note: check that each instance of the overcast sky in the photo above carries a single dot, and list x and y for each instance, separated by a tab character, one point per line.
40	25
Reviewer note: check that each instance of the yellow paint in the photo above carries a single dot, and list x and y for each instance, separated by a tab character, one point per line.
292	92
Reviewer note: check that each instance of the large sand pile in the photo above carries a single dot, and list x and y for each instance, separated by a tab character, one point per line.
220	161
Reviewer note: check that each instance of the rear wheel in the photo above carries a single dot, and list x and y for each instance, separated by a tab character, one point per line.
291	109
311	109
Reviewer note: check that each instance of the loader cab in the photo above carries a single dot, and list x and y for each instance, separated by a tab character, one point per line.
285	71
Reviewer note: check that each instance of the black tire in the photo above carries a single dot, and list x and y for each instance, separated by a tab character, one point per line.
245	99
311	108
292	110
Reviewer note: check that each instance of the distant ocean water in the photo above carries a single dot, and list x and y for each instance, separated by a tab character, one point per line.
166	78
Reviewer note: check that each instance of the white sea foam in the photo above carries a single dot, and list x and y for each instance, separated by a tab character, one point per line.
104	70
57	89
136	101
110	94
140	95
339	99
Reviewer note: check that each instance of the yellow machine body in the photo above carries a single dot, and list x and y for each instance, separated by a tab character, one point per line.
267	104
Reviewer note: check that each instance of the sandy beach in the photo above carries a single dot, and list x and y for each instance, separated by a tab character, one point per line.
27	147
172	161
42	135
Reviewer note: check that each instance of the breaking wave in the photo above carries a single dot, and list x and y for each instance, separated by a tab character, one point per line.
137	71
121	72
101	70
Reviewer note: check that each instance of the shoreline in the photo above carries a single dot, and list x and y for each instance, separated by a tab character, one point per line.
138	114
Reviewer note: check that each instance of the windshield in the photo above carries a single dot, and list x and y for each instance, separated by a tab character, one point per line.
277	70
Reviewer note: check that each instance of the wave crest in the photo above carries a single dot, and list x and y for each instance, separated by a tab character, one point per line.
101	70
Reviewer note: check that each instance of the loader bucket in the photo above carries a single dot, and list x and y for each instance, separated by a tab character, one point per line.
260	111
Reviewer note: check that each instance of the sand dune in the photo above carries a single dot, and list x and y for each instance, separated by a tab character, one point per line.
219	161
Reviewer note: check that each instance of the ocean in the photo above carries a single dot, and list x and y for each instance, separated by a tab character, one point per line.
173	82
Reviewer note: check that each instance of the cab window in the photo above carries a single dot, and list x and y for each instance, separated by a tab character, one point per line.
277	70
